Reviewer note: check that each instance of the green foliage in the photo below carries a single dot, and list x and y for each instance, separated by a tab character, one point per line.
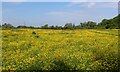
52	27
21	26
58	27
7	26
69	26
45	26
88	24
110	24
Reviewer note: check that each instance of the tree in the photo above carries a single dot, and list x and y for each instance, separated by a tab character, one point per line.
45	26
0	26
7	26
88	24
68	26
21	26
52	27
110	23
83	24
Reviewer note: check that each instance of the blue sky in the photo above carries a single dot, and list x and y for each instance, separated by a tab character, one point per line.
56	13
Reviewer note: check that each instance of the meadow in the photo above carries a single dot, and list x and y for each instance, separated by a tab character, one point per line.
46	49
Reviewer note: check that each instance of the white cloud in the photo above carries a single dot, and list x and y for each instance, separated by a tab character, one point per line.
82	4
94	4
109	5
91	4
73	3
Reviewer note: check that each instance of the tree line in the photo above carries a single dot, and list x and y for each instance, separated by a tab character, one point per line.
104	24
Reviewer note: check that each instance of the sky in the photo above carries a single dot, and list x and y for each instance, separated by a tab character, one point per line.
60	0
56	13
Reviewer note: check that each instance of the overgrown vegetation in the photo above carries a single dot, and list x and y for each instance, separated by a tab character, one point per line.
41	49
105	24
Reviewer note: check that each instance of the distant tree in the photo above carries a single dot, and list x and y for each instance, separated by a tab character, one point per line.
0	26
51	27
116	22
68	26
56	27
113	23
89	24
78	26
74	27
45	26
83	24
32	27
20	26
7	26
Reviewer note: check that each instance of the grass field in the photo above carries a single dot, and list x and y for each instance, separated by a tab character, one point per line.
36	49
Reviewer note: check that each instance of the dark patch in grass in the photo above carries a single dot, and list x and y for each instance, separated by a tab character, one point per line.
37	36
33	32
13	34
60	65
5	36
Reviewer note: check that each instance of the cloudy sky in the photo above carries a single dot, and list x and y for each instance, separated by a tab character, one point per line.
56	13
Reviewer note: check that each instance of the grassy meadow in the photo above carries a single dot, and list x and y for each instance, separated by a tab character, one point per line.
40	49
